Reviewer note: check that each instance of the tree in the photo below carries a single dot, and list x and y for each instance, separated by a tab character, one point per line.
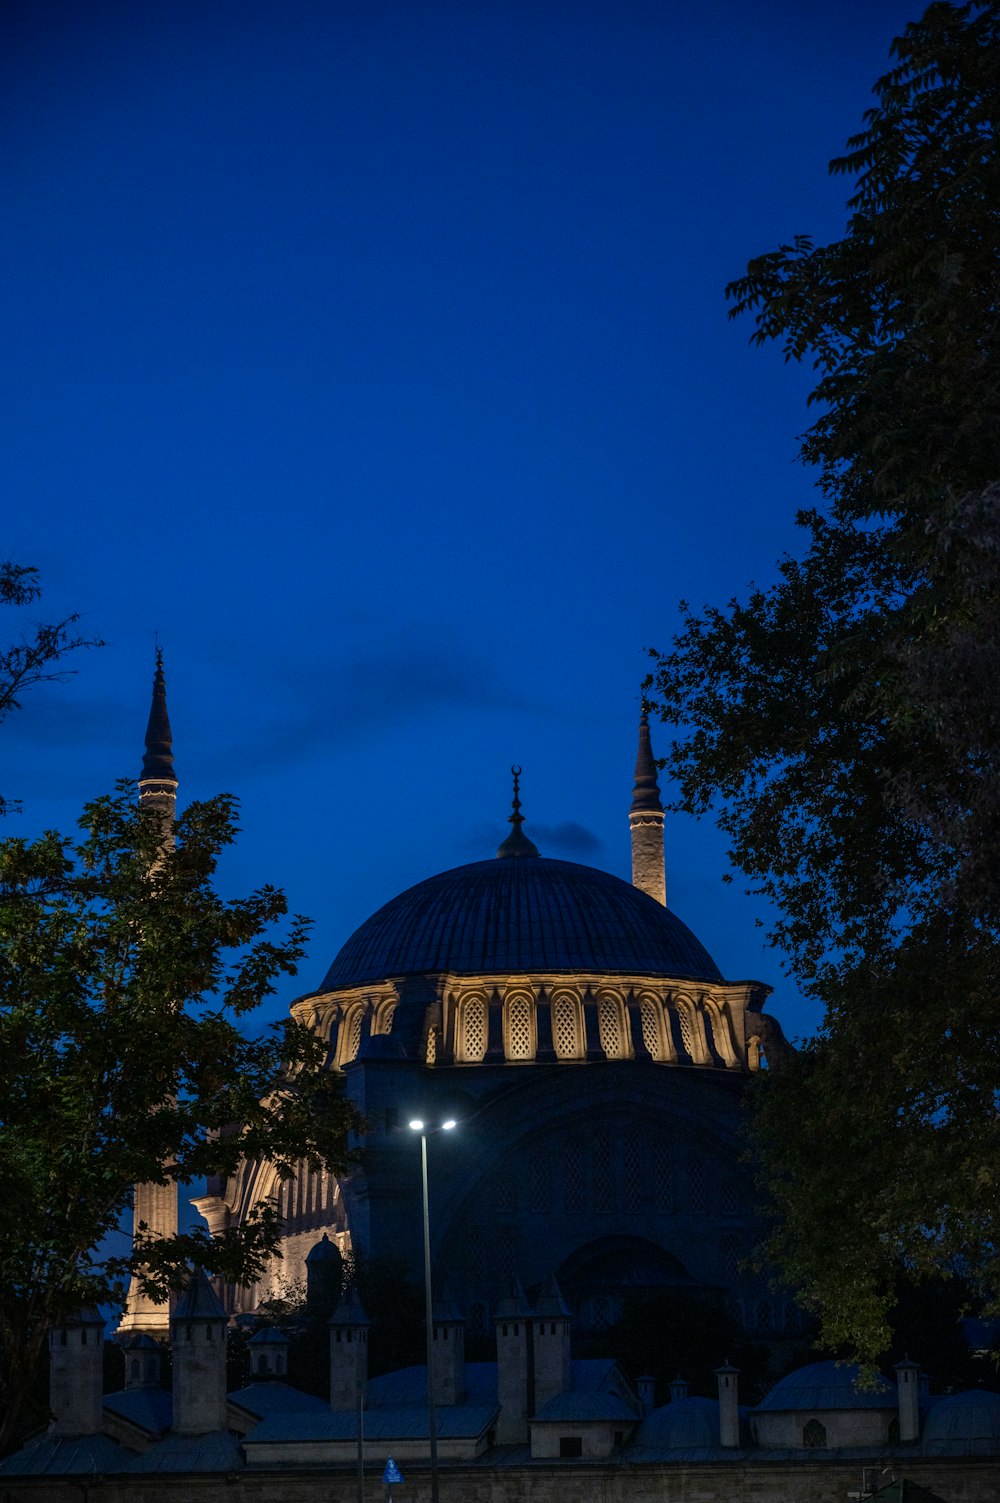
844	724
125	985
33	658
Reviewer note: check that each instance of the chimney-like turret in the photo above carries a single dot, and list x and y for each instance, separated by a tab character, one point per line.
908	1389
551	1344
348	1353
513	1326
76	1374
448	1354
646	821
729	1405
198	1354
268	1354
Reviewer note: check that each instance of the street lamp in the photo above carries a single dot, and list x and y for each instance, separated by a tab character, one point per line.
418	1125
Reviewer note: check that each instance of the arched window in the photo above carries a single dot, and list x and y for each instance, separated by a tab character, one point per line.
649	1015
814	1434
473	1030
566	1027
519	1017
353	1039
609	1027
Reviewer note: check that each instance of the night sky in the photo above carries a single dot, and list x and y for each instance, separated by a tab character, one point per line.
376	357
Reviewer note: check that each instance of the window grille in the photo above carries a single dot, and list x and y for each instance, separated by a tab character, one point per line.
432	1046
519	1030
687	1037
602	1311
663	1176
650	1028
505	1193
730	1198
730	1255
697	1187
602	1174
564	1028
609	1028
353	1039
539	1180
764	1315
474	1029
574	1181
632	1172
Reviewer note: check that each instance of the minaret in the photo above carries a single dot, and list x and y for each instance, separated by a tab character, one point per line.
156	1205
646	821
158	780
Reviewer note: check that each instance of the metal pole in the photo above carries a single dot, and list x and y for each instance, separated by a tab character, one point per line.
429	1315
361	1445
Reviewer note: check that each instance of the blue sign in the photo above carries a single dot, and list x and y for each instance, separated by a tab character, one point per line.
392	1473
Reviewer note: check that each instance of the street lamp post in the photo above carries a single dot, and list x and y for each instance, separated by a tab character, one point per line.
417	1125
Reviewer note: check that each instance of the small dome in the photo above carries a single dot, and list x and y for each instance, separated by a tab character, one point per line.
827	1385
529	915
680	1425
970	1416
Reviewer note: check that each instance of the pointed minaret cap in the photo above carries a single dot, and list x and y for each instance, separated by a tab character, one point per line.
200	1301
514	1305
646	793
517	843
549	1303
158	762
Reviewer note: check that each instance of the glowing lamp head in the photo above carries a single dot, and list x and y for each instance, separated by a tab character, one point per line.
447	1126
417	1125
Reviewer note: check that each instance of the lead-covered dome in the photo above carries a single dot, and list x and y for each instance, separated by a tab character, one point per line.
534	914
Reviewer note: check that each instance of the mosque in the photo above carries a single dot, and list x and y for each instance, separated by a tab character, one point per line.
594	1062
588	1049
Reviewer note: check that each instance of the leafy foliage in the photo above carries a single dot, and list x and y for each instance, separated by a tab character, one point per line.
35	657
124	982
845	723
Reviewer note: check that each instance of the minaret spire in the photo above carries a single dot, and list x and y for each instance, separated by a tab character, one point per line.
646	820
155	1206
517	843
158	780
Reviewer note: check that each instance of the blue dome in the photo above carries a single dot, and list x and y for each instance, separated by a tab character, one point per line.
681	1424
530	914
970	1416
827	1385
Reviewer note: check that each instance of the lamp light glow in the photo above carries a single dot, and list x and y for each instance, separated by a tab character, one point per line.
449	1124
417	1125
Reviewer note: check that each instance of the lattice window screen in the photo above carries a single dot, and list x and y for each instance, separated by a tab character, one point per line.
764	1315
539	1182
730	1250
697	1187
564	1027
505	1193
353	1036
432	1046
519	1028
687	1038
474	1029
730	1198
609	1028
650	1027
632	1171
663	1176
475	1256
574	1179
602	1174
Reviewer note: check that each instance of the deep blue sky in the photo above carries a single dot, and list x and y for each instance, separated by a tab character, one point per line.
376	357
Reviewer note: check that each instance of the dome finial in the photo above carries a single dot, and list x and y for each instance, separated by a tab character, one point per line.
517	843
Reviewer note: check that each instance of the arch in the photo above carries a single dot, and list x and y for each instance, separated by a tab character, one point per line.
814	1434
473	1037
611	1027
567	1025
656	1034
722	1032
384	1012
692	1025
520	1029
350	1034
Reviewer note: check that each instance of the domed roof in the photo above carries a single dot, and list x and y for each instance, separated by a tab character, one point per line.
827	1385
530	914
973	1415
681	1424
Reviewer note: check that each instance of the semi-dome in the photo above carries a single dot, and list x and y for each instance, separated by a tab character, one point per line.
680	1425
533	914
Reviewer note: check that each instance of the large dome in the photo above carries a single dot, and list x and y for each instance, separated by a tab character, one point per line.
533	914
